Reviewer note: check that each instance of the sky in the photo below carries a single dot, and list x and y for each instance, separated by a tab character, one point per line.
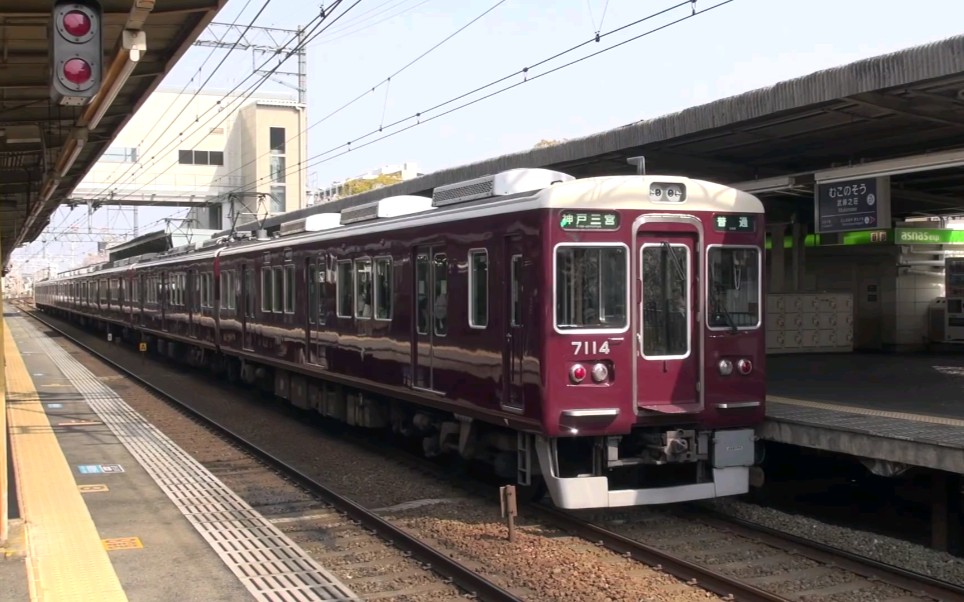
741	45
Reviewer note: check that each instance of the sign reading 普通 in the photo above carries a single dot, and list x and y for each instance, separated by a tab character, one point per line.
589	220
850	205
734	223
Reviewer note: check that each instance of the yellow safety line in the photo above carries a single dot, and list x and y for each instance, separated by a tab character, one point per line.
866	411
66	559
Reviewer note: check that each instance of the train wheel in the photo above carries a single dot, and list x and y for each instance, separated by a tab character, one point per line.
532	493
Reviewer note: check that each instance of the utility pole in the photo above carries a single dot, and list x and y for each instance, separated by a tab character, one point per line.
234	37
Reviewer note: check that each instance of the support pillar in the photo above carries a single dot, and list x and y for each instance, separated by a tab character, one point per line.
777	259
4	474
945	511
797	256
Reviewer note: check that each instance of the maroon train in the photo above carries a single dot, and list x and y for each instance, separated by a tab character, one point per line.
600	337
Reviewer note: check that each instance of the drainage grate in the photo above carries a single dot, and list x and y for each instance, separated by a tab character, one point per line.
268	563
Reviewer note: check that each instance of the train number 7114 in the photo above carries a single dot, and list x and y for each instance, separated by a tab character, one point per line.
589	347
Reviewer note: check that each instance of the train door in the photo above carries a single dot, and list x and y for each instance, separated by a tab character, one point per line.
246	311
311	309
431	312
141	293
165	299
668	359
191	301
515	296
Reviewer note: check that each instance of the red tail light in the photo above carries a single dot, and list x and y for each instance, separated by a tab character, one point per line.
745	366
577	373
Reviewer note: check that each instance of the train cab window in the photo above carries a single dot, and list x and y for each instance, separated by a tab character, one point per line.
363	288
277	290
290	289
478	289
345	290
666	300
383	288
733	288
441	296
266	282
591	287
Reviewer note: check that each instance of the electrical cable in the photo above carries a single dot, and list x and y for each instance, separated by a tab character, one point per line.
419	116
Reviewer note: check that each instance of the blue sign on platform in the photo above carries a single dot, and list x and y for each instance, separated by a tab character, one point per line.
99	468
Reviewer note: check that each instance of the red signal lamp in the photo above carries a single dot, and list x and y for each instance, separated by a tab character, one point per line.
77	23
77	71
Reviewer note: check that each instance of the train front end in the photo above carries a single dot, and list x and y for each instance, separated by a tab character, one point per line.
654	366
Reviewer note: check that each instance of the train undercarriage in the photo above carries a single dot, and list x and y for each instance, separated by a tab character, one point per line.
648	466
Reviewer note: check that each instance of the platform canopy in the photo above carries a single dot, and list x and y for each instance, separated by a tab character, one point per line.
40	162
896	105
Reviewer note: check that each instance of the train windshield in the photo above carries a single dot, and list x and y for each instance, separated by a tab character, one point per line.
734	288
591	287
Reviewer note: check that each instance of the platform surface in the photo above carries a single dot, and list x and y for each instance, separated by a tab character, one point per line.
906	408
114	510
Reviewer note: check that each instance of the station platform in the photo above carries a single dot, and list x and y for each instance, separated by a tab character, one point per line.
906	409
111	509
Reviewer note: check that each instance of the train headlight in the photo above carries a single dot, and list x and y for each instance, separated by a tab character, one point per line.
666	192
600	373
744	366
577	373
726	367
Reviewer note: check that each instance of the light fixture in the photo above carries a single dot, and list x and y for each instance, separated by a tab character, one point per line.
133	43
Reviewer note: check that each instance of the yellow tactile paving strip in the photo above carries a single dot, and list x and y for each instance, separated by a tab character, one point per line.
866	411
66	559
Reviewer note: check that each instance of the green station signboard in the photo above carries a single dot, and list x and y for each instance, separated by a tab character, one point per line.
895	236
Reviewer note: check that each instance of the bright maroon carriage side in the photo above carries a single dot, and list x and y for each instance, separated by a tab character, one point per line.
603	336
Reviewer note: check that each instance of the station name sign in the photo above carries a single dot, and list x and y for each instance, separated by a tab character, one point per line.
589	220
858	204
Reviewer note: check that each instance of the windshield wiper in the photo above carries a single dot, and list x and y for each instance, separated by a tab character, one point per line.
722	308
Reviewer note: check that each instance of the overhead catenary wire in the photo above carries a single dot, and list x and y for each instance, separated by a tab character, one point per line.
421	118
199	70
250	90
386	81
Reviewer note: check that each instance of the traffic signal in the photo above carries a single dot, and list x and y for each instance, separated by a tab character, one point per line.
76	51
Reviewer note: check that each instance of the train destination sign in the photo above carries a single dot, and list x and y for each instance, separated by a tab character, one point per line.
734	223
858	204
589	220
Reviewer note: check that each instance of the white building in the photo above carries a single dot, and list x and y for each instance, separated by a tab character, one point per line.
238	163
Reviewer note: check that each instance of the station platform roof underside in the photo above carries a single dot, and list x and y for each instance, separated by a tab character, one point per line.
38	137
896	105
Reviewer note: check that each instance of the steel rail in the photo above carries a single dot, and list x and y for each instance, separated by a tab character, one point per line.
855	563
432	559
692	573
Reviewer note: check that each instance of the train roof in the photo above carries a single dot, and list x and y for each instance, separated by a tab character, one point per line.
510	191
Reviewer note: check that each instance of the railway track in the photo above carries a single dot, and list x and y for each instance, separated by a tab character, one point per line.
340	511
732	558
741	560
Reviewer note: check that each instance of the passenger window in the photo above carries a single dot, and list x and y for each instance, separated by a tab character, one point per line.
383	288
363	288
478	289
441	300
266	289
277	290
344	290
290	289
